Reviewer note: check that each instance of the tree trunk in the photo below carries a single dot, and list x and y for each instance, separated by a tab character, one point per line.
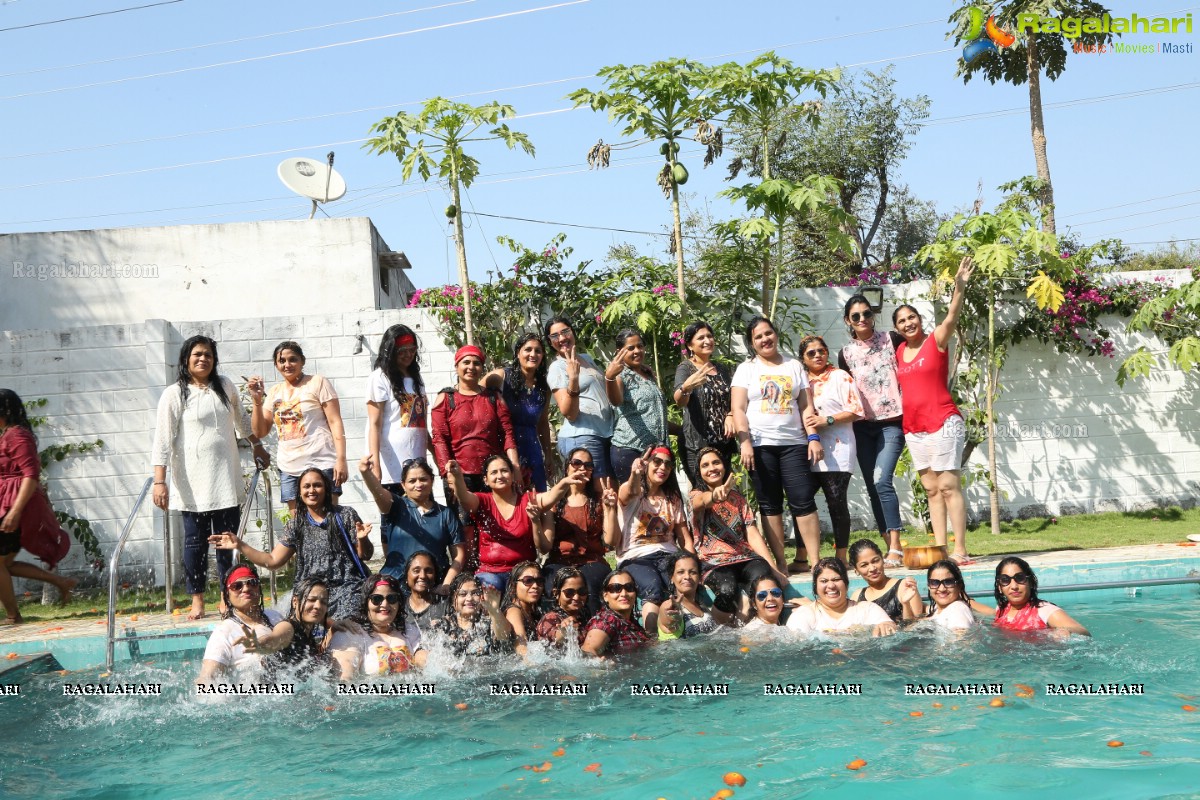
464	279
678	238
1038	131
991	419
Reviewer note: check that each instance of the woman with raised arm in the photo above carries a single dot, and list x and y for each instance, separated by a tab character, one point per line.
641	412
702	392
523	386
464	630
327	539
933	425
200	419
578	520
244	621
770	395
306	410
1018	607
292	644
834	611
898	597
684	614
652	527
579	391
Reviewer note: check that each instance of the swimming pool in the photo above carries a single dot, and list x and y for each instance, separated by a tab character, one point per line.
320	744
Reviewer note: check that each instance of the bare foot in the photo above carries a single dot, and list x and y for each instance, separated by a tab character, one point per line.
64	590
17	620
197	611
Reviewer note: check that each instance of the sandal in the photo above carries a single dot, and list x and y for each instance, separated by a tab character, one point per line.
962	560
894	563
799	567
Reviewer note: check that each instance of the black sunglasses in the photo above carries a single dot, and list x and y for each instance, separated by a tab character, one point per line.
616	588
528	580
571	594
857	316
948	583
579	463
1021	578
378	599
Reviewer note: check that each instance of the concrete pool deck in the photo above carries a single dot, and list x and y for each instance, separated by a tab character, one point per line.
148	623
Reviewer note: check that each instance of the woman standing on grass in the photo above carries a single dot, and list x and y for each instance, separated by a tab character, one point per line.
523	386
641	411
702	392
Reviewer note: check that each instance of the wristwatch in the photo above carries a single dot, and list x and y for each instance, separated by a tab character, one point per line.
829	420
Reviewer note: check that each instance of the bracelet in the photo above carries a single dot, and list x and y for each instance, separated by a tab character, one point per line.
160	483
814	437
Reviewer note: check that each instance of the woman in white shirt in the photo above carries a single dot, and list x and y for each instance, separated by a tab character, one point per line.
389	644
949	604
834	611
245	622
770	394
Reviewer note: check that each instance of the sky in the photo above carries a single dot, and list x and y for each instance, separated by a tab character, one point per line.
178	113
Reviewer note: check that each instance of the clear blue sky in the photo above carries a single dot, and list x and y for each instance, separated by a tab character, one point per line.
74	105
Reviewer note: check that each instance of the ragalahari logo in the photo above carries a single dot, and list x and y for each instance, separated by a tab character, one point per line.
983	34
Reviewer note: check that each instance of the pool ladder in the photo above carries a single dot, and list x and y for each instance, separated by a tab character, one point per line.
131	637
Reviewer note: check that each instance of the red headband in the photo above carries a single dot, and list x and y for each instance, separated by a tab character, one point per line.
663	451
468	350
406	339
239	573
382	582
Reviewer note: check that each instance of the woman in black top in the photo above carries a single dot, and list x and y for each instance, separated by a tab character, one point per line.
702	391
898	597
293	642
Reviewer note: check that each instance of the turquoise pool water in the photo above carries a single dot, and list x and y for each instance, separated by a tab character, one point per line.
319	744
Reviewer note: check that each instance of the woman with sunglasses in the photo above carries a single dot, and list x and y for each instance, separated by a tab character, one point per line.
702	391
870	358
521	603
836	407
244	619
682	616
463	629
417	522
615	627
308	414
327	539
898	597
397	411
834	611
388	644
580	393
766	603
727	537
579	521
1018	607
424	604
640	419
652	527
949	604
523	386
569	616
770	395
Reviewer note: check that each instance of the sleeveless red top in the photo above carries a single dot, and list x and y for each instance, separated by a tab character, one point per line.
1027	619
927	402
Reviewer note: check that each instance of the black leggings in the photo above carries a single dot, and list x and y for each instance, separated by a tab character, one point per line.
727	580
834	485
779	469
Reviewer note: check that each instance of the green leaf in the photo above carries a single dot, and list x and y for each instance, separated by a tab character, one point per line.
1185	353
1045	292
1138	365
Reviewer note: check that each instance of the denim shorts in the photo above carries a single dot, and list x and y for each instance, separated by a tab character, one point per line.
596	445
289	485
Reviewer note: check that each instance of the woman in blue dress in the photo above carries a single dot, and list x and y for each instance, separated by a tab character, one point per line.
523	386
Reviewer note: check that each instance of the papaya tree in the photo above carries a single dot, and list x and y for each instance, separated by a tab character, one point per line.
1174	317
433	141
1021	58
660	102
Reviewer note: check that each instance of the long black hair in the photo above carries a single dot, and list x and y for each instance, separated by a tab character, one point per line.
560	580
956	573
13	411
258	614
183	377
510	594
670	486
1001	600
514	377
300	593
300	517
363	617
385	361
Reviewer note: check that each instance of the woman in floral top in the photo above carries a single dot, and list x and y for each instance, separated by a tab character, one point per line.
702	392
641	411
870	358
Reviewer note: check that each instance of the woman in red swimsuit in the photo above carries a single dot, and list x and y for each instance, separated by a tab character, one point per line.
1018	607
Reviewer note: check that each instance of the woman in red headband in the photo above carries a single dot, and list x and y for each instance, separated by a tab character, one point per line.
651	528
245	619
397	411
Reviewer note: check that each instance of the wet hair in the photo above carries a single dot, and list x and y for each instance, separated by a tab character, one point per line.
690	332
510	591
288	345
300	593
700	456
258	614
416	463
855	299
183	377
858	547
515	378
835	564
386	362
673	562
558	319
608	579
807	340
455	585
13	411
749	335
487	462
437	570
560	580
955	573
1001	600
901	307
754	591
363	617
670	486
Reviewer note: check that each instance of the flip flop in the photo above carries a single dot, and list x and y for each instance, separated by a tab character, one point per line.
962	561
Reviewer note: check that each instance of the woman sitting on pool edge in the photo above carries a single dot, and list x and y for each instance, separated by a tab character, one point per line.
834	611
1018	606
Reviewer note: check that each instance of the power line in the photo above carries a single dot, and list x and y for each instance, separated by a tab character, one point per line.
317	48
1136	214
1061	104
88	16
569	224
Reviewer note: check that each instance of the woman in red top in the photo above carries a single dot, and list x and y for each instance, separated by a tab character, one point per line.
933	426
470	422
26	519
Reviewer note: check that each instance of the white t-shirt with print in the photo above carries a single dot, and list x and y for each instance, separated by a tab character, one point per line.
776	400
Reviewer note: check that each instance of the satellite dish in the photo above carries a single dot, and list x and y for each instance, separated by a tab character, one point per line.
312	178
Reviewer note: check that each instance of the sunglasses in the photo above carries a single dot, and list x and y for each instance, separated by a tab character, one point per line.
580	463
656	461
378	599
571	594
815	353
765	593
944	583
858	316
617	588
251	583
1021	578
528	580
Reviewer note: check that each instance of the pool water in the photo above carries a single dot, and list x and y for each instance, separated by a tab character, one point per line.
319	744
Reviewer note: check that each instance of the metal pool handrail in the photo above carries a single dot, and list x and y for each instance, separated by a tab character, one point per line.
112	571
260	472
1083	587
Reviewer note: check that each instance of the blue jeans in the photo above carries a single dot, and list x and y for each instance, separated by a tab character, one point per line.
879	447
622	459
289	485
197	527
497	579
596	445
